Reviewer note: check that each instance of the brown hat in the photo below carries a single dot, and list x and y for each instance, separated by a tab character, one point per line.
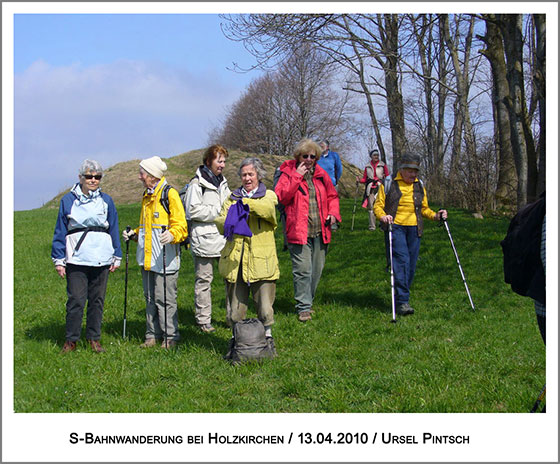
408	160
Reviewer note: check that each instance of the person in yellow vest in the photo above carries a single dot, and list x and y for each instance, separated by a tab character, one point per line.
403	202
149	254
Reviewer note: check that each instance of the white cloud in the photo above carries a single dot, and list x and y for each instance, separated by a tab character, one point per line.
110	112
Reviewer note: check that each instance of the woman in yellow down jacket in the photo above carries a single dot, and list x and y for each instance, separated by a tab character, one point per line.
249	261
160	291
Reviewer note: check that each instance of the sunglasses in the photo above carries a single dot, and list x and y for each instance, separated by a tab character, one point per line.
91	176
308	156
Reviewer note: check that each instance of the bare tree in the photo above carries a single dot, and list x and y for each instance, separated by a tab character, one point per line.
429	62
344	38
282	107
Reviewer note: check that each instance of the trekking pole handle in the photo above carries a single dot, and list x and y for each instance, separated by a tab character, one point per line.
127	230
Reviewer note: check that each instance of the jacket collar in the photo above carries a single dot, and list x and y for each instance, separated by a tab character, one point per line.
157	188
399	177
77	191
210	177
238	193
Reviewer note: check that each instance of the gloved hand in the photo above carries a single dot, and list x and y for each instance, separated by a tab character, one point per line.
129	235
166	237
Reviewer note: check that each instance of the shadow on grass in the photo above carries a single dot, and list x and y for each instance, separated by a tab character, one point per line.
365	301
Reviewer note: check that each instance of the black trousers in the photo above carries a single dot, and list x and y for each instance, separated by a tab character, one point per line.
85	284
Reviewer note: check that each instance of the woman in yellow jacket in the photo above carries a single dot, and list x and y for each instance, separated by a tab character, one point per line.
149	253
248	261
404	205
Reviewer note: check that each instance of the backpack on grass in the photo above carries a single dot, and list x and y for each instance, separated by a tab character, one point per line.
249	342
521	247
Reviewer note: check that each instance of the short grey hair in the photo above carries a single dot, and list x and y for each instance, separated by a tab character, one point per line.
90	166
257	164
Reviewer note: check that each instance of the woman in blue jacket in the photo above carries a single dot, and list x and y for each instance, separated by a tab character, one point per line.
86	247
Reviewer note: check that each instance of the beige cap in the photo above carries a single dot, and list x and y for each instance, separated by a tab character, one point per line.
154	166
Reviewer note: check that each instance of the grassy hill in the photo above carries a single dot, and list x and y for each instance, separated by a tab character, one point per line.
121	180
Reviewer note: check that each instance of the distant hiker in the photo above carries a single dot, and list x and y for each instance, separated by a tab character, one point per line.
205	196
248	262
150	253
331	163
85	248
403	204
374	175
311	204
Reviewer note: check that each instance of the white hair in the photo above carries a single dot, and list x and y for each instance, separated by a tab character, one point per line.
90	166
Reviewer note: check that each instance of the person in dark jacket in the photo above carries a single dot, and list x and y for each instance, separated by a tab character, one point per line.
85	248
311	205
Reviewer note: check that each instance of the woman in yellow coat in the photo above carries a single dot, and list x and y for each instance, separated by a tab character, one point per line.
249	262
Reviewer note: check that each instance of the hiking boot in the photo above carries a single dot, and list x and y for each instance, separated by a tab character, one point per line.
170	344
271	347
68	346
96	346
304	316
405	309
148	343
206	328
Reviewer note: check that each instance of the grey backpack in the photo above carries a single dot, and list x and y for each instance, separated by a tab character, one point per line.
249	342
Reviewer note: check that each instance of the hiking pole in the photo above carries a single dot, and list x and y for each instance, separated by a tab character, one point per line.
354	210
392	275
539	399
458	262
125	284
164	295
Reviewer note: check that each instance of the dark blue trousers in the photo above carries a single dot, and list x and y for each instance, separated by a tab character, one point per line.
406	246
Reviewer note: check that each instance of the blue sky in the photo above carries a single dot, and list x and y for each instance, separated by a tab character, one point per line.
114	87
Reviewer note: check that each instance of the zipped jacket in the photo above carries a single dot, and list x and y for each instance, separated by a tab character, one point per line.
332	165
153	216
406	203
256	254
203	204
293	192
90	221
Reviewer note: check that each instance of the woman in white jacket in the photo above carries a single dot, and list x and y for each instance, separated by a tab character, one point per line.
206	194
85	248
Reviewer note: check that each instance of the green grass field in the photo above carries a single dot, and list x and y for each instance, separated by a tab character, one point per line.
349	358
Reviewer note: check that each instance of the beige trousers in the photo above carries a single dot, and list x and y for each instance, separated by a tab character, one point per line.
264	293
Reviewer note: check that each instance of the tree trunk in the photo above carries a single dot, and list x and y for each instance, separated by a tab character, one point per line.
522	141
395	107
369	101
507	177
540	81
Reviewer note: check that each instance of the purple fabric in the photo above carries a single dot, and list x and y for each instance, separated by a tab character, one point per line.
236	221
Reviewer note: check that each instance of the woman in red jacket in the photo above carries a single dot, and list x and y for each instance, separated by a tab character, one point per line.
311	205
